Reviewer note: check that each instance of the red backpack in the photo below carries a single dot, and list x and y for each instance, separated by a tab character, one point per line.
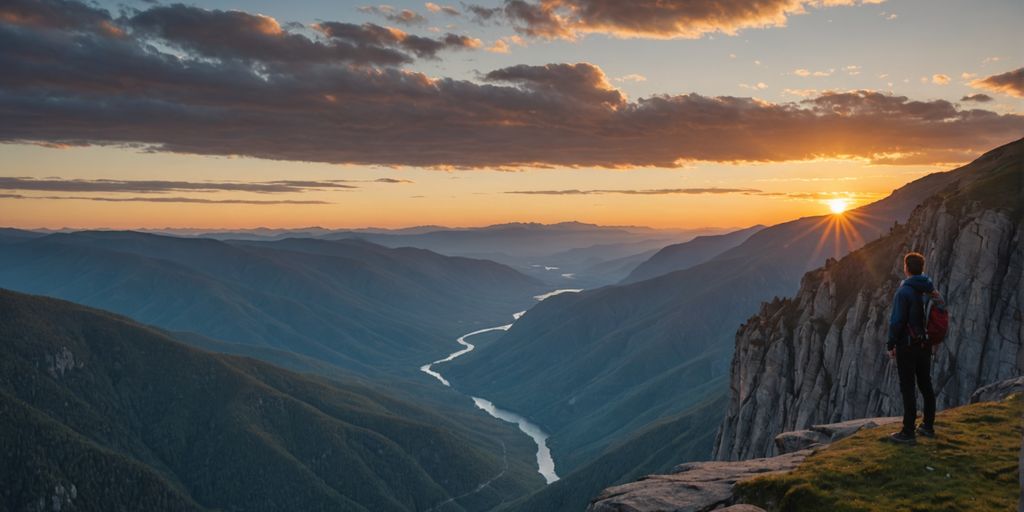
936	321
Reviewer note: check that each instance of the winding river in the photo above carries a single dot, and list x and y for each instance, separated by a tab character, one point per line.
545	464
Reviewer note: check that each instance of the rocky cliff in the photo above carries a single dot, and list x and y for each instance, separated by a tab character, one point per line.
971	466
819	356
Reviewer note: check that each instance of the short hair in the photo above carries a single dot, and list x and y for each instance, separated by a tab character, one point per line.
914	261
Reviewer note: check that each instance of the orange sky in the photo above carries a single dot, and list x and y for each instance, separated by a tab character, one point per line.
453	198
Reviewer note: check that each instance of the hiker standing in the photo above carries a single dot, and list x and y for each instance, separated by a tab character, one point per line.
910	348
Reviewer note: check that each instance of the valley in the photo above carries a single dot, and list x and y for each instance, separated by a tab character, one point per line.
511	256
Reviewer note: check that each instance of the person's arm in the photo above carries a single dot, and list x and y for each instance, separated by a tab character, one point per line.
897	320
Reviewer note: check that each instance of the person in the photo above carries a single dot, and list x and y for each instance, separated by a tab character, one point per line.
907	345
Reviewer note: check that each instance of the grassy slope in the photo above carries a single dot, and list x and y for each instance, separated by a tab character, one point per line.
977	448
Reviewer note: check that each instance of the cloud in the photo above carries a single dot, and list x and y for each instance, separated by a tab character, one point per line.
58	14
582	83
445	9
940	79
642	192
251	37
73	87
392	180
403	16
484	14
504	44
633	77
979	98
806	73
1010	83
371	35
194	200
162	186
663	19
499	46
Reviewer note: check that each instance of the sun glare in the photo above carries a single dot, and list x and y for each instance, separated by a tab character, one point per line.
838	206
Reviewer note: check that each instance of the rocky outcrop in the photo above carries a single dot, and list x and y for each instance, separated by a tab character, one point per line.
704	486
691	487
819	357
999	390
817	435
707	486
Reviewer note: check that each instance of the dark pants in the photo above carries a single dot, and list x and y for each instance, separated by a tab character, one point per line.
914	363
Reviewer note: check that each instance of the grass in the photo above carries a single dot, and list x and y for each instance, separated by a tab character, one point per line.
971	465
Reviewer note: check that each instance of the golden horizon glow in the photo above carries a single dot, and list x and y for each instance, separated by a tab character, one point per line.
429	197
838	206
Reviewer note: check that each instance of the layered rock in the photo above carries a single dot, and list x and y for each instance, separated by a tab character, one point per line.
820	357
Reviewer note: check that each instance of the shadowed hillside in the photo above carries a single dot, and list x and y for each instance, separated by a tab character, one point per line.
100	413
688	254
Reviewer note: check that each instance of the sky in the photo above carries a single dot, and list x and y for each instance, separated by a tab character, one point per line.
664	113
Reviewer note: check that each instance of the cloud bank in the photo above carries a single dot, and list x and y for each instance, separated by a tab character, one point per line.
343	98
163	186
661	19
190	200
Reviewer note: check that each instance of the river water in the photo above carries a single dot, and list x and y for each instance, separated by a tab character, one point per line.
545	464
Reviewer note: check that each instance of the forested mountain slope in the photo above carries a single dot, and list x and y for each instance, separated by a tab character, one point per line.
100	413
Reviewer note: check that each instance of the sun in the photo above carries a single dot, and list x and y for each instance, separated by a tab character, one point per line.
837	206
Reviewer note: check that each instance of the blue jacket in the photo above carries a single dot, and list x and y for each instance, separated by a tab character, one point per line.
908	309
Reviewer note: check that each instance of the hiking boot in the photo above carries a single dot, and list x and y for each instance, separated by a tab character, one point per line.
926	431
902	437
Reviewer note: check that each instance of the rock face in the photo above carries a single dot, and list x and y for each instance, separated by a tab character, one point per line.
819	357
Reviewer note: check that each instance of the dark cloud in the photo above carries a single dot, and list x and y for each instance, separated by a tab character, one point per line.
403	16
371	35
647	18
582	82
57	14
483	14
76	88
978	98
392	180
641	192
236	34
161	186
194	200
1011	83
